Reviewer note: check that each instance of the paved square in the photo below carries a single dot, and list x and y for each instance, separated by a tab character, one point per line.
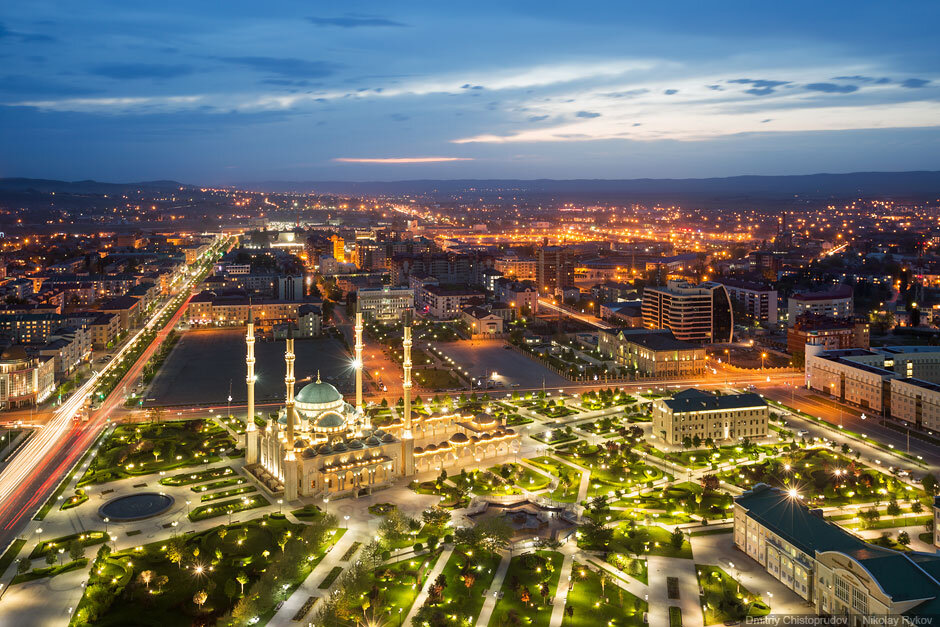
204	363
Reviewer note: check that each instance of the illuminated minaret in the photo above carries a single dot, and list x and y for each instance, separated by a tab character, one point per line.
290	464
407	438
251	432
358	362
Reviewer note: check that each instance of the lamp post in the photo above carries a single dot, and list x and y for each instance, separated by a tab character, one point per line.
280	502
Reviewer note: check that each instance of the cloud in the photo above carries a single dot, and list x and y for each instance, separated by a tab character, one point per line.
587	114
766	120
760	87
670	92
715	87
400	160
863	79
355	21
126	71
25	38
913	83
286	66
832	88
399	117
630	93
538	118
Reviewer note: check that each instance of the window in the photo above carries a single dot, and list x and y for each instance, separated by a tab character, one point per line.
842	589
859	601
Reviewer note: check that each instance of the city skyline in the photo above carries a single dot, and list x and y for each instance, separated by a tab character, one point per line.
368	92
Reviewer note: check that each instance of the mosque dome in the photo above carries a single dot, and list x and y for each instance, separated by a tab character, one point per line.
318	393
484	418
308	453
330	421
373	441
459	438
355	444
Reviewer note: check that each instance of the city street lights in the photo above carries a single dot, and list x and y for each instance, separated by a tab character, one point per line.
346	518
763	356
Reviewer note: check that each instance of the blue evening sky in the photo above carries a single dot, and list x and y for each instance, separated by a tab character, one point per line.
238	91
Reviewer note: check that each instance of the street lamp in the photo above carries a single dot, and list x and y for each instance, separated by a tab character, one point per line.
280	502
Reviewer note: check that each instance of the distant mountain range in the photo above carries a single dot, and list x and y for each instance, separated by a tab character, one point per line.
921	184
82	187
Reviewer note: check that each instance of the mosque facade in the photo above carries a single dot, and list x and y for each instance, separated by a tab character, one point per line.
322	446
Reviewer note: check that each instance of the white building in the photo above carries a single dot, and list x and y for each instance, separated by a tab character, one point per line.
834	303
694	313
385	303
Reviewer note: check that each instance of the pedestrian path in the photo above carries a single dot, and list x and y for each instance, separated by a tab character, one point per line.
310	586
561	593
490	603
631	585
428	581
659	602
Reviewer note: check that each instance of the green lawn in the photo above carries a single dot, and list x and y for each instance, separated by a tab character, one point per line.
567	490
634	566
725	599
232	506
509	478
224	494
140	449
467	578
591	604
610	472
397	584
117	595
523	580
823	478
190	478
641	540
86	539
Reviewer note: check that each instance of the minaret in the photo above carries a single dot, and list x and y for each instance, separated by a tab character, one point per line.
407	438
358	362
290	464
251	431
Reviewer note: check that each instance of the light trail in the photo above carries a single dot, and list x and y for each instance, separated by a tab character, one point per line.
592	320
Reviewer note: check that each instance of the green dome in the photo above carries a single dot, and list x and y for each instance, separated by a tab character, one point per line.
318	393
331	420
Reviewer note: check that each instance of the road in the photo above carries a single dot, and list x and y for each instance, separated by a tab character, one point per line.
592	320
37	469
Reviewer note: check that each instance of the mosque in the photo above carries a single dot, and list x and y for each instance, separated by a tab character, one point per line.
321	446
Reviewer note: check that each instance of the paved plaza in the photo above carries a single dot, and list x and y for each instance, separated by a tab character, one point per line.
205	364
484	357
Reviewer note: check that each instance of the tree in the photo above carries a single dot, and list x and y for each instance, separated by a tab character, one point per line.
174	550
495	534
468	580
242	579
524	595
677	538
904	538
146	577
282	540
930	484
22	565
50	558
436	591
435	517
199	598
76	550
544	592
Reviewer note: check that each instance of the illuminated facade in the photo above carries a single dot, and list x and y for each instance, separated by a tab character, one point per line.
320	445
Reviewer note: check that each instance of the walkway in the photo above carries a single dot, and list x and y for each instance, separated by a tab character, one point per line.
561	593
428	581
490	603
310	585
659	602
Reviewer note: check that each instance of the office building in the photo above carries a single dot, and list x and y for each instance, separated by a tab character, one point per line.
694	313
696	414
836	572
385	304
651	353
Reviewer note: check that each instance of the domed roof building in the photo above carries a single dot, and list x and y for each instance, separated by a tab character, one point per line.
320	445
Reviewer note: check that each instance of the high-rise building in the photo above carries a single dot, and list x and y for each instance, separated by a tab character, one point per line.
694	313
554	268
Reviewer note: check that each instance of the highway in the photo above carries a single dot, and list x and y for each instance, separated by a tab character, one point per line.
33	475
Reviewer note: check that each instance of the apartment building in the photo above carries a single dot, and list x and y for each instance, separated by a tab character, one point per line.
757	299
836	302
